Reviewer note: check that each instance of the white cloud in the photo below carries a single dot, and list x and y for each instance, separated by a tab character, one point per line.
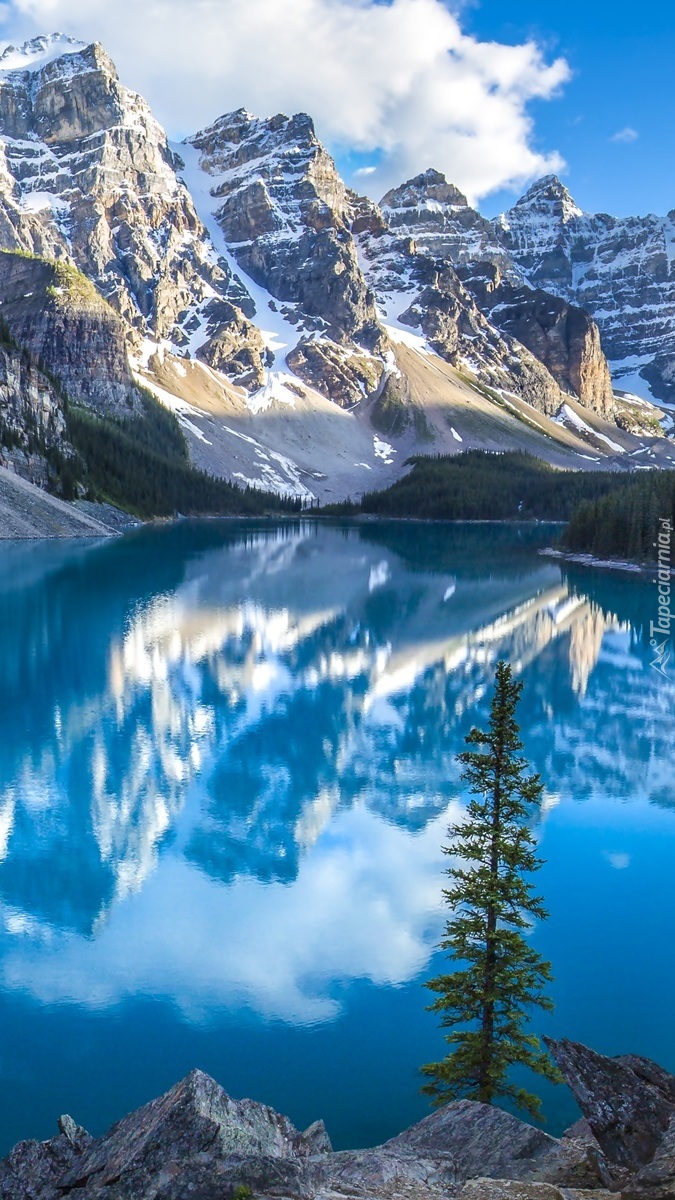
366	905
625	135
400	78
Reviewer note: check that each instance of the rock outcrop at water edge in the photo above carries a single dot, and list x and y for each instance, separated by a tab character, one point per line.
196	1141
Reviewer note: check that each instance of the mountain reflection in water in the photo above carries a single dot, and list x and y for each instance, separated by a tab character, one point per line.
228	758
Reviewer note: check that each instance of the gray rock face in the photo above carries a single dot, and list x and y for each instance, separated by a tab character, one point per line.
341	374
284	211
508	1189
194	1122
33	1170
560	335
484	1140
427	295
656	1180
86	175
59	317
316	1135
195	1141
628	1103
620	269
472	303
438	217
32	421
236	348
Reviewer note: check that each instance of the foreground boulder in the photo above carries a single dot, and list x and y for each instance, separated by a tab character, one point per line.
628	1101
32	1170
484	1140
196	1125
510	1189
656	1180
197	1143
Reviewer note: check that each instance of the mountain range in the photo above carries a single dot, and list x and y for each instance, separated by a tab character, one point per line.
307	339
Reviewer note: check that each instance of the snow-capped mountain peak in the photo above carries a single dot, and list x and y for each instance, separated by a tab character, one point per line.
429	189
39	52
548	198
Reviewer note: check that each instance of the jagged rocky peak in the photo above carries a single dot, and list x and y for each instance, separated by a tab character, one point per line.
426	189
535	231
38	52
548	197
86	174
32	94
239	139
437	216
285	213
620	269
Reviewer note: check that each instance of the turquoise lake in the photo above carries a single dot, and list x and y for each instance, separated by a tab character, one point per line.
227	765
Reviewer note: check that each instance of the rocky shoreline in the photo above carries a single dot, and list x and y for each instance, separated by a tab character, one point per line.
606	564
196	1143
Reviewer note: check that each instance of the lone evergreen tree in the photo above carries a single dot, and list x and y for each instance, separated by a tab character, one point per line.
499	976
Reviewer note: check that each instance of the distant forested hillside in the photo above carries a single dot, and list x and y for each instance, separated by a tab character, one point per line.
484	486
626	522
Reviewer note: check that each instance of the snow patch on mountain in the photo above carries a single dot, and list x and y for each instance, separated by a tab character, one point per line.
279	331
38	53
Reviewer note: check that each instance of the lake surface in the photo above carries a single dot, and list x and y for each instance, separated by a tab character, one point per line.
227	765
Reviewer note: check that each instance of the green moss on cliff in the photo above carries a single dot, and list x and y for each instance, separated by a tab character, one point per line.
70	286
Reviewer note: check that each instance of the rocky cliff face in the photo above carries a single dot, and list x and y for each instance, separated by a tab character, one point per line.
440	220
32	422
86	175
284	211
475	304
417	286
561	336
620	269
55	313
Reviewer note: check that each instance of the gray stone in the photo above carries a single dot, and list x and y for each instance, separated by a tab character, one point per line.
656	1180
508	1189
195	1122
339	374
484	1140
33	1170
628	1112
316	1136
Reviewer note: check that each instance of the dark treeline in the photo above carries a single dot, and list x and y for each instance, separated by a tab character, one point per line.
483	486
625	523
141	464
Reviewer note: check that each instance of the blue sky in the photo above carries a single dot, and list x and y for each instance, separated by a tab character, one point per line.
492	92
622	58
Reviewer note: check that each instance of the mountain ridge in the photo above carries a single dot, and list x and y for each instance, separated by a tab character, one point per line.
259	298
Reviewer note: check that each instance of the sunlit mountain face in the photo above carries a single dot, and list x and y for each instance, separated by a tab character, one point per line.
227	767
